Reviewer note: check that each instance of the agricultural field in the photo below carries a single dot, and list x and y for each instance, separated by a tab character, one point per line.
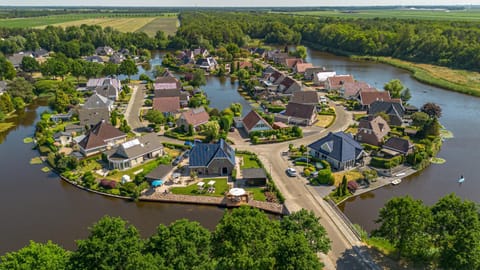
454	15
121	22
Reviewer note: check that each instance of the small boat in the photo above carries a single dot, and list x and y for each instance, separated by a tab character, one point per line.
396	181
461	179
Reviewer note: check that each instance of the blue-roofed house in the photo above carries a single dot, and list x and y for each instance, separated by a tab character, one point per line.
212	158
339	149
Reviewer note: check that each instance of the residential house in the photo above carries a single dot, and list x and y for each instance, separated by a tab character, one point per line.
182	95
298	114
290	62
336	82
74	129
301	67
366	98
305	97
259	51
94	59
40	52
254	177
278	57
104	50
289	86
311	71
244	65
208	64
351	90
3	87
99	138
394	110
273	77
107	87
320	78
167	82
398	146
116	58
167	105
16	58
372	130
63	138
194	117
202	52
95	109
254	122
212	158
339	149
134	152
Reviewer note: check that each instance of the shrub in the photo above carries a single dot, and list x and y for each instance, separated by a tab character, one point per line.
385	163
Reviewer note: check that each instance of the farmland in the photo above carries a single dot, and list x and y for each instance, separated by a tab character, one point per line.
121	22
454	15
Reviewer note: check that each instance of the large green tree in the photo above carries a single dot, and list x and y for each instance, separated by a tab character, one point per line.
19	87
112	244
128	68
394	87
7	71
293	252
29	64
38	256
245	238
198	78
306	223
183	245
456	228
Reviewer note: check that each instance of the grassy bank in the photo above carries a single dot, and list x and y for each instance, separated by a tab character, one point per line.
462	81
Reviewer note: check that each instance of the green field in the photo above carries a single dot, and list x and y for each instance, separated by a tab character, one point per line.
122	22
454	15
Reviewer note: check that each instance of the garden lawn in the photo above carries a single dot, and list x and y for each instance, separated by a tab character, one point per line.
324	120
351	176
221	187
248	161
258	193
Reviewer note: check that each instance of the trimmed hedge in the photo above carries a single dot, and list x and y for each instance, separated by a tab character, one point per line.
386	163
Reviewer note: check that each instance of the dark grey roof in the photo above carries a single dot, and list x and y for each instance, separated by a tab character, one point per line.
94	58
203	153
138	147
398	144
303	111
97	101
389	107
160	172
339	146
253	173
40	52
91	117
305	97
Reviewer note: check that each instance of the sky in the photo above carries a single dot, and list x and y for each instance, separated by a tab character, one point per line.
230	3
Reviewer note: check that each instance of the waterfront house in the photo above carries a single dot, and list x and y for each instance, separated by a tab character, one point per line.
100	138
116	58
134	152
297	114
301	67
335	83
202	52
212	158
290	62
351	90
107	87
254	177
305	97
339	149
182	95
167	105
63	138
167	82
289	86
397	146
194	117
254	122
94	59
95	109
320	77
207	64
104	50
366	98
372	130
393	109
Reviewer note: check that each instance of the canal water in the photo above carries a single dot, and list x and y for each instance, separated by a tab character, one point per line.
460	114
38	206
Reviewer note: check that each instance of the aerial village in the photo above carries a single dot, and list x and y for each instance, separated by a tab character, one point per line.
155	138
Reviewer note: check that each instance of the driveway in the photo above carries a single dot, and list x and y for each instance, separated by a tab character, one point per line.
132	113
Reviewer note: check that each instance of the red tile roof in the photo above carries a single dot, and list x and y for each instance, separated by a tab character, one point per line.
351	89
336	82
251	119
195	117
291	62
302	67
367	98
245	64
166	104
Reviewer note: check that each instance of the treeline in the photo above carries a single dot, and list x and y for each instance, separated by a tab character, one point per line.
443	236
447	43
245	238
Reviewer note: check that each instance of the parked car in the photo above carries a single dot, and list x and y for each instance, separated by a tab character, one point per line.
177	160
189	143
291	172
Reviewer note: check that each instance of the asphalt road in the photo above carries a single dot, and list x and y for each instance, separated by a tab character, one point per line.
132	113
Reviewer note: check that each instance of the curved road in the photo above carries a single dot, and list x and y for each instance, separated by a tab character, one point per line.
347	251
